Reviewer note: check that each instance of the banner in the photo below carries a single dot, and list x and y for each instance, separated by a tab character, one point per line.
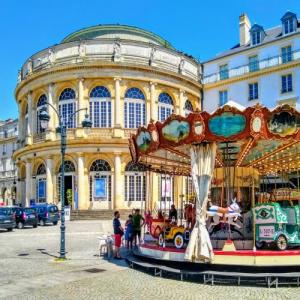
42	189
100	188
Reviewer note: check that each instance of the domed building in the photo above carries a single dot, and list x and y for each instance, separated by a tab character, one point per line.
124	76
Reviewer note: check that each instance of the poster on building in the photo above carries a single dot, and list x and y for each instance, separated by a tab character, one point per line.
100	188
42	189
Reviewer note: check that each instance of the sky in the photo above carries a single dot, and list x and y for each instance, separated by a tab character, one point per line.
197	27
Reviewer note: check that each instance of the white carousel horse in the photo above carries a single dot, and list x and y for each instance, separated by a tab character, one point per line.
227	215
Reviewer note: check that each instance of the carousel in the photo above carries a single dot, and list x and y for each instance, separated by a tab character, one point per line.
243	210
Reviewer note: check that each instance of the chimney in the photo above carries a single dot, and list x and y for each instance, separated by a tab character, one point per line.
245	26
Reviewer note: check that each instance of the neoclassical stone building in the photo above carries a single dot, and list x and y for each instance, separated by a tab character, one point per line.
124	76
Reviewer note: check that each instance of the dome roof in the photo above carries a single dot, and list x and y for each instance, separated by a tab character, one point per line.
117	32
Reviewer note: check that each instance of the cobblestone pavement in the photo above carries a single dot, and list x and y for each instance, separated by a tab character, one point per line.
28	270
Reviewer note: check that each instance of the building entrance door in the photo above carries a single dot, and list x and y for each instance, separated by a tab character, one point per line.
68	190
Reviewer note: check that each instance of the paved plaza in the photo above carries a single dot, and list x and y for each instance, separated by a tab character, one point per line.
28	270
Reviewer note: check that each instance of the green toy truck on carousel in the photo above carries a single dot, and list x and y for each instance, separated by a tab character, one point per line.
277	224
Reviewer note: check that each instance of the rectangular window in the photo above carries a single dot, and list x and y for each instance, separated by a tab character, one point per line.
288	26
286	54
253	63
223	97
255	38
253	91
224	74
286	83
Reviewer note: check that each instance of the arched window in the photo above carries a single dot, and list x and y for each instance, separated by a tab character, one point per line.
41	193
134	108
100	107
135	182
188	107
41	104
67	107
69	167
165	106
100	181
41	170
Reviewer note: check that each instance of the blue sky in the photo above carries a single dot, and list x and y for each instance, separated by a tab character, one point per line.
201	28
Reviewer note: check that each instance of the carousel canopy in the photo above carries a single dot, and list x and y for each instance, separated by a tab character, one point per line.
267	140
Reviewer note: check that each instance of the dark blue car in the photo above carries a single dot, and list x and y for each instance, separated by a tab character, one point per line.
7	218
47	213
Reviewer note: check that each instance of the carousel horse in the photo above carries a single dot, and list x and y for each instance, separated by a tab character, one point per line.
227	215
190	215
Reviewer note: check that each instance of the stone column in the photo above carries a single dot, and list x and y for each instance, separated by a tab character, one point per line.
81	102
30	120
117	108
19	195
28	180
153	102
53	122
49	179
118	183
83	196
182	99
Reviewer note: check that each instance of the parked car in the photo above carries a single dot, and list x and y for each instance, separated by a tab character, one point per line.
47	213
25	217
7	218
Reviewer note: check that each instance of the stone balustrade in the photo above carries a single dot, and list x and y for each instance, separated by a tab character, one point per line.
105	51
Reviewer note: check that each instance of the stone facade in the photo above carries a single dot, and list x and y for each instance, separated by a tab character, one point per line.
8	176
122	83
256	72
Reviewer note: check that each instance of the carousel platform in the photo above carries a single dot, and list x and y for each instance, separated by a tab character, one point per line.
239	260
210	274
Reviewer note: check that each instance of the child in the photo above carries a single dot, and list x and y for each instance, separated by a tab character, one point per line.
129	232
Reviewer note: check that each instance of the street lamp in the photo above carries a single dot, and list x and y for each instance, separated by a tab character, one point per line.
44	118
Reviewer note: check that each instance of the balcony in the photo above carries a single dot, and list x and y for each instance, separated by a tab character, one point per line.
253	67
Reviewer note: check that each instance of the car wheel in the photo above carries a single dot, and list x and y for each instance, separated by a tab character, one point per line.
54	223
178	241
35	226
161	239
281	243
42	222
259	245
20	225
9	229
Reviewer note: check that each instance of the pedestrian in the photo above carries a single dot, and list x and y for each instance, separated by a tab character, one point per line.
138	222
173	214
118	232
129	232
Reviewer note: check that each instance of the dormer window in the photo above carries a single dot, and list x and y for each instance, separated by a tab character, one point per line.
256	38
257	34
289	23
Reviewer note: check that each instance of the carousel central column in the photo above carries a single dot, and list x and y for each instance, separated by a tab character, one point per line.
118	183
49	180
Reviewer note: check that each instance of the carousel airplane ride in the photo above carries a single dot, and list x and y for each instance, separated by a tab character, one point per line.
244	166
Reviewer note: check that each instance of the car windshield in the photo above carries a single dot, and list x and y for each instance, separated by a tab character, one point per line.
5	211
53	209
29	210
